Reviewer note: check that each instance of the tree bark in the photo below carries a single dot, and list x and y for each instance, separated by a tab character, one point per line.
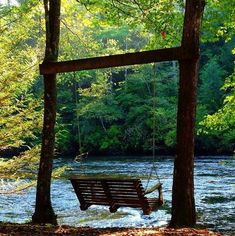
44	212
183	203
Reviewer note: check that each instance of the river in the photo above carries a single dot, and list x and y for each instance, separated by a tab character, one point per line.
214	194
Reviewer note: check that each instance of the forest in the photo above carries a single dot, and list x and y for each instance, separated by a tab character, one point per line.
115	111
110	111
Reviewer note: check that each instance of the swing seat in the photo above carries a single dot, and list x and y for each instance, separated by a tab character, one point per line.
115	193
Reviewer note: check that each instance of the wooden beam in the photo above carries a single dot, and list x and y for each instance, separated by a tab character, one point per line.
183	203
167	54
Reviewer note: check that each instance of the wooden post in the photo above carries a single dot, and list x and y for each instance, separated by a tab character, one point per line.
183	204
43	210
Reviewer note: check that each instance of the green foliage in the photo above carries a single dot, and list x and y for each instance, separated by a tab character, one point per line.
20	122
21	47
215	119
222	123
20	109
212	76
20	172
113	139
112	111
22	166
218	20
118	116
155	16
63	136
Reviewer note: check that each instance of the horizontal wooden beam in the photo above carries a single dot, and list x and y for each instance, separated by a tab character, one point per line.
166	54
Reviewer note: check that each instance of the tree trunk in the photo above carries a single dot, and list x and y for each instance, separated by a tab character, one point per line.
183	204
43	210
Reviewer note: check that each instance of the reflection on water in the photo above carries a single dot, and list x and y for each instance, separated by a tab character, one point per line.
214	194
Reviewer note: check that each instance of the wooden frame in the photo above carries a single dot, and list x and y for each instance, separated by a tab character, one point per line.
183	203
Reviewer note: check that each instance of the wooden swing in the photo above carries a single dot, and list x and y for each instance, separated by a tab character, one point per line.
120	192
115	193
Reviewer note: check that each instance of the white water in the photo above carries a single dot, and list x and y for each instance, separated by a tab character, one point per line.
214	194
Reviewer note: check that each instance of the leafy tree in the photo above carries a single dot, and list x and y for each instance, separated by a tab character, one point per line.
20	94
20	109
218	28
218	21
43	209
156	17
20	172
98	106
222	122
212	76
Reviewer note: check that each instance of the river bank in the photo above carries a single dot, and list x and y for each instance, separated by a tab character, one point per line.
35	230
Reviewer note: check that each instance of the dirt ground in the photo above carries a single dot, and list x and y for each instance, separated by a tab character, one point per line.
35	230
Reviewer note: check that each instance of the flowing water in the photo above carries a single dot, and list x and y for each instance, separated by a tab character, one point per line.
214	194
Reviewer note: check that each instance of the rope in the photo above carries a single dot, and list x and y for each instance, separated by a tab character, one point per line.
154	167
78	121
81	155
